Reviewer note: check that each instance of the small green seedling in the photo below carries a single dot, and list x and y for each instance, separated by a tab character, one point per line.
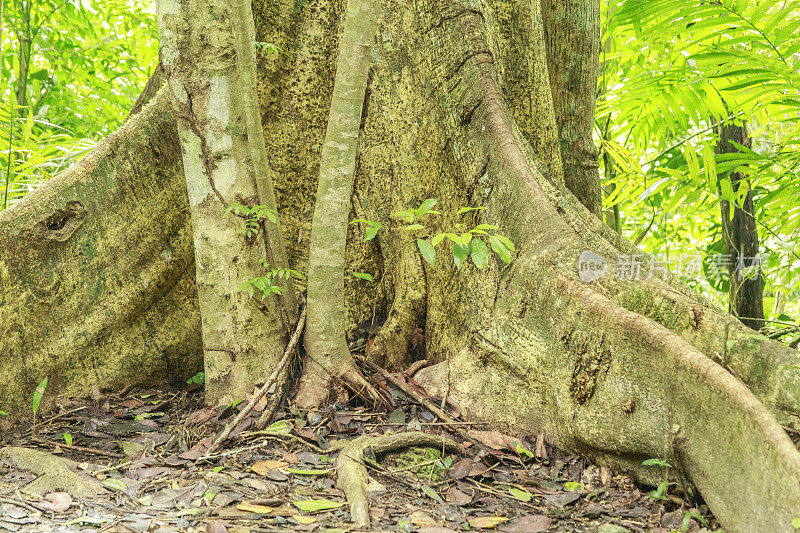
199	379
471	244
67	438
444	464
522	450
269	48
687	520
37	399
253	216
266	283
234	403
660	493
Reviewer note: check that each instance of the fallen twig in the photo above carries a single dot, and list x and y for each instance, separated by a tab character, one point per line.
93	451
46	421
277	436
403	386
23	504
112	468
287	355
273	436
416	366
426	424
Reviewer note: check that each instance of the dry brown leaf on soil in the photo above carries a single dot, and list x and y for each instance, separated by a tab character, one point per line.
528	524
494	439
487	522
58	502
262	467
253	508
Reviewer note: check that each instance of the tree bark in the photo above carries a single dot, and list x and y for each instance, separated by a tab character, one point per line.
97	272
618	369
207	53
572	29
740	234
328	355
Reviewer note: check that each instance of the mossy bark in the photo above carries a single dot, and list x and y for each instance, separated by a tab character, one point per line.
618	369
97	283
207	51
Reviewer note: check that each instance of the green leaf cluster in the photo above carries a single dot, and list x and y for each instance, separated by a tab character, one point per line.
673	71
473	244
267	284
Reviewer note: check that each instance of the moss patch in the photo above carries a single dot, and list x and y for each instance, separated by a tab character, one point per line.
423	463
664	311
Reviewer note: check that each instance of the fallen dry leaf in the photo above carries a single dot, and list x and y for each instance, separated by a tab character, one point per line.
200	417
529	524
461	469
422	519
303	519
262	467
197	450
376	513
605	476
493	439
253	508
215	526
290	457
456	496
487	522
58	502
541	451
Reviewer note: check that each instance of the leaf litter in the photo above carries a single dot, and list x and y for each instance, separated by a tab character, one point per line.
136	463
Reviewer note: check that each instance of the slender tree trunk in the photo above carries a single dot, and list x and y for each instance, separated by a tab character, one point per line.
618	369
572	29
740	233
612	215
25	38
328	354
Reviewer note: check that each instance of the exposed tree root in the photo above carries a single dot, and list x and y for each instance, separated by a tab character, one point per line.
352	473
318	384
54	473
115	303
419	394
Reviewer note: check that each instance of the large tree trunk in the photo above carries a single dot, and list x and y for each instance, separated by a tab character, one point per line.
460	109
207	53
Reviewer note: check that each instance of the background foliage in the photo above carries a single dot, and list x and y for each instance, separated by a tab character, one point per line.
69	73
672	70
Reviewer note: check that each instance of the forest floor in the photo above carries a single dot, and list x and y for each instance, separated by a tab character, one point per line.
134	462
